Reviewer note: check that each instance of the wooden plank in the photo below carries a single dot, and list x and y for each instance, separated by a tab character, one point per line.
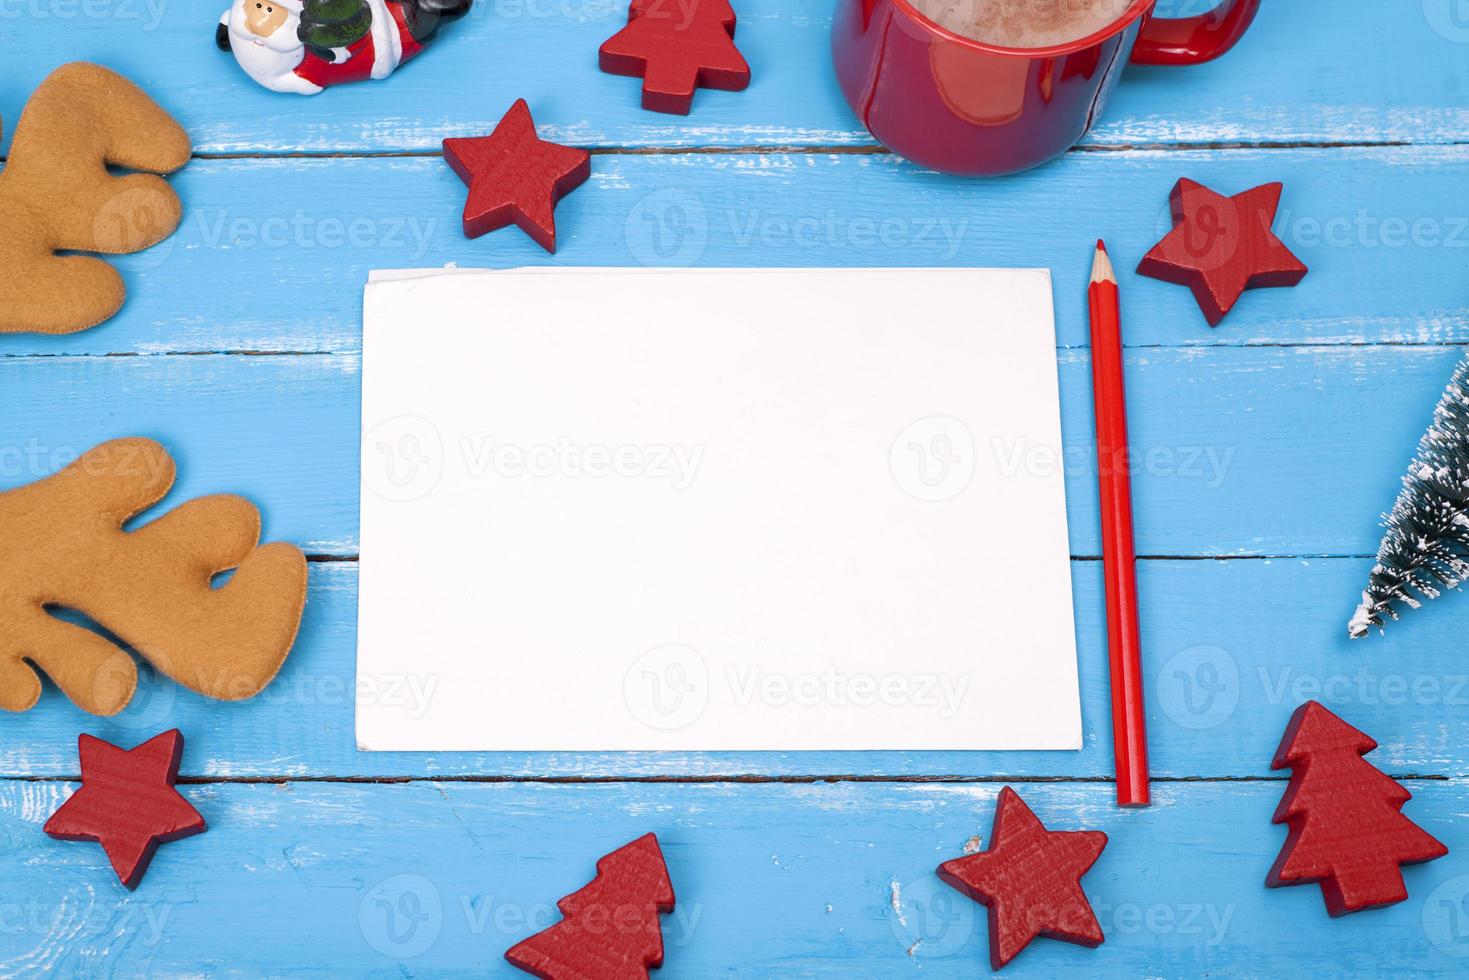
809	881
1237	450
272	254
1286	82
1231	647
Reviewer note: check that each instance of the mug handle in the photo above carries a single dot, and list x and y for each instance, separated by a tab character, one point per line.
1194	40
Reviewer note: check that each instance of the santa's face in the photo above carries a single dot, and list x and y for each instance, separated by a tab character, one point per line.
263	19
266	23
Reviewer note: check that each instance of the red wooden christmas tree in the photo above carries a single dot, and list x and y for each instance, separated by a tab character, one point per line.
1346	828
611	929
677	47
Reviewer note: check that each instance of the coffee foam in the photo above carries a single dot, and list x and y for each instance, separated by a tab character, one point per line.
1024	23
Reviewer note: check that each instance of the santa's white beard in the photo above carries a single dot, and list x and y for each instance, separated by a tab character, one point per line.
274	69
259	56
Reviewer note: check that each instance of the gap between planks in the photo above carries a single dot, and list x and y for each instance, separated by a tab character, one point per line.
324	558
840	149
864	149
731	779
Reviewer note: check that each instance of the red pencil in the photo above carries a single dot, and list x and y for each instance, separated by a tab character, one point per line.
1124	645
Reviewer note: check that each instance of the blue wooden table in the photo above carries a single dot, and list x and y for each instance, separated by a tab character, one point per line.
1268	448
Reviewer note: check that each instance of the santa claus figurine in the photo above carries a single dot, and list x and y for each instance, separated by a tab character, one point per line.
303	46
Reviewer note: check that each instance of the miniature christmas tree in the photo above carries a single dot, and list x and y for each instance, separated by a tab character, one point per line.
327	24
1427	540
1346	827
611	929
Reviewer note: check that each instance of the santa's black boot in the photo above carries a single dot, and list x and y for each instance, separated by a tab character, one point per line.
425	16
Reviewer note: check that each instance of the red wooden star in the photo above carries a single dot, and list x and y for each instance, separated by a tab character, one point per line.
127	802
513	175
1220	246
677	48
1030	879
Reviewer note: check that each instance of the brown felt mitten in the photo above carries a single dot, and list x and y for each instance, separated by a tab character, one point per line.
64	546
57	195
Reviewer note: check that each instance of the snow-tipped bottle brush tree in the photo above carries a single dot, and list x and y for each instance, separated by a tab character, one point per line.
1426	548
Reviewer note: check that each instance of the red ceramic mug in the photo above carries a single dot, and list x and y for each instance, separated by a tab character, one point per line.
963	107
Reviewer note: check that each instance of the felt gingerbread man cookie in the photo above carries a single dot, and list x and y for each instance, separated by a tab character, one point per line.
65	546
56	195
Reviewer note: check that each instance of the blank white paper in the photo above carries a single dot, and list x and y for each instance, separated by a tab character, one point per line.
713	510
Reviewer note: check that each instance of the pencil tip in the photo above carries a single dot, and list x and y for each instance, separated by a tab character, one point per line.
1102	265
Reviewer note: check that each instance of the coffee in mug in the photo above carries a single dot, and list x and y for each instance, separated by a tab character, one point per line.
1024	23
